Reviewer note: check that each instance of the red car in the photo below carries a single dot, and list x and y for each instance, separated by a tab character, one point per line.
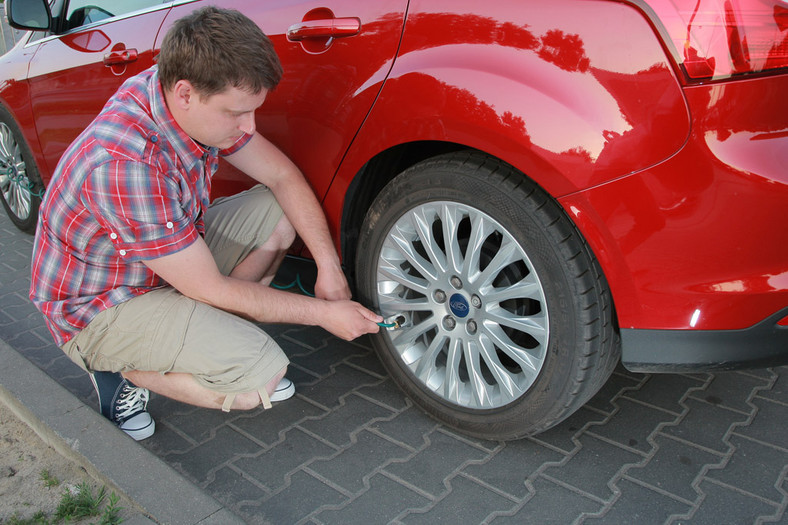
534	191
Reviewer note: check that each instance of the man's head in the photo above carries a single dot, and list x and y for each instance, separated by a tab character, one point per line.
215	49
216	68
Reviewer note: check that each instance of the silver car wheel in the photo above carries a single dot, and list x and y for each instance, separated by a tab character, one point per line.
471	309
14	183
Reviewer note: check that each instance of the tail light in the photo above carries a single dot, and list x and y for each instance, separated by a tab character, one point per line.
717	39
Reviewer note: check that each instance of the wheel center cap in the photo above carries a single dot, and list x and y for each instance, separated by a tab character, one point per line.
459	305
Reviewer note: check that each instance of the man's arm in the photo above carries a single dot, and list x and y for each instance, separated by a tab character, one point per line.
193	272
264	162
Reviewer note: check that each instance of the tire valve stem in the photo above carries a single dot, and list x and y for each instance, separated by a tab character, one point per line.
393	323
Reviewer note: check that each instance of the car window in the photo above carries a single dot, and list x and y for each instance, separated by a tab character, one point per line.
84	12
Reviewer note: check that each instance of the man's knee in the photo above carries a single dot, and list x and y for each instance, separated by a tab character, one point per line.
284	235
250	400
246	401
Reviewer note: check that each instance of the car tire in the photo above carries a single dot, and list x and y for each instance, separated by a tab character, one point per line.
503	319
21	188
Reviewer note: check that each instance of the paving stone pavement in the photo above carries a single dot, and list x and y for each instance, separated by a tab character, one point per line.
350	448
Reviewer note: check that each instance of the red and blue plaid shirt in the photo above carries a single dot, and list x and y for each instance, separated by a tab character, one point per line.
133	186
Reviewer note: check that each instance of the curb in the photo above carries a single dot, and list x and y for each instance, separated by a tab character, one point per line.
81	434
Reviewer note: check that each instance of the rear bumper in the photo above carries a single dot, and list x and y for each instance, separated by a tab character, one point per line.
762	345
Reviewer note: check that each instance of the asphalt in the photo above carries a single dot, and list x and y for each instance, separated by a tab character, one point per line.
350	448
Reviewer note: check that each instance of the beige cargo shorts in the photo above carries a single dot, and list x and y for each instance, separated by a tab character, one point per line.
165	331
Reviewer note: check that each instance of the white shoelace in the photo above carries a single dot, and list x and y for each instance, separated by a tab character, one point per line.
131	401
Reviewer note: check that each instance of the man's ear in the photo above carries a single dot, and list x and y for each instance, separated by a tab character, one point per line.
183	94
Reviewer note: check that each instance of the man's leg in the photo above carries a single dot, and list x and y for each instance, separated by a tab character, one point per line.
249	235
262	263
228	224
183	349
182	387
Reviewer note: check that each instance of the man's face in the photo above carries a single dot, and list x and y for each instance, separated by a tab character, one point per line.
220	120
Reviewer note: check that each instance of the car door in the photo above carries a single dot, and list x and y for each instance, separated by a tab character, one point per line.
74	73
336	55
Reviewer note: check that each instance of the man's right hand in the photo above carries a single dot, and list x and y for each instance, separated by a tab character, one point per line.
349	320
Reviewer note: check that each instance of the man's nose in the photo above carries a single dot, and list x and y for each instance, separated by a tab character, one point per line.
247	124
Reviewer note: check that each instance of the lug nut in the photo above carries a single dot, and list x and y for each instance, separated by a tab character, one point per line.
439	296
471	327
449	323
456	282
476	301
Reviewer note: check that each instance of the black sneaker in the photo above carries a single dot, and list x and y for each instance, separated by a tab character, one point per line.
124	404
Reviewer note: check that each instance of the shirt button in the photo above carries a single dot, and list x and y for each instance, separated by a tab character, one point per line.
169	225
113	236
122	252
154	138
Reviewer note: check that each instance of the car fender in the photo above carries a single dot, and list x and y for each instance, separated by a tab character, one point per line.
15	94
571	109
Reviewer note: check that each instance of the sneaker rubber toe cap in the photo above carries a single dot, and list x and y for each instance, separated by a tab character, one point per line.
139	426
284	390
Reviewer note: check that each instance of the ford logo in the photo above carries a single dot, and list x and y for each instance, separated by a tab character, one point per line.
459	305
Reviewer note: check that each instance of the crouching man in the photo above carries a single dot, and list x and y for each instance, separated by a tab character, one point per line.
143	282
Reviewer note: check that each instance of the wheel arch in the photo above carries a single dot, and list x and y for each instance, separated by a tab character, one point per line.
386	165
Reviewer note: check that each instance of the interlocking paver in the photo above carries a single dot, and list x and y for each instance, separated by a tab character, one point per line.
550	503
329	390
352	414
429	468
638	504
410	427
617	385
224	446
565	436
354	465
754	467
509	467
593	467
195	424
674	467
779	389
269	428
273	467
666	391
467	502
706	425
385	500
725	506
297	501
351	448
763	427
733	390
633	424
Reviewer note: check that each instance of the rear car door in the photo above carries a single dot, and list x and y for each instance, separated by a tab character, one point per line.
74	73
336	55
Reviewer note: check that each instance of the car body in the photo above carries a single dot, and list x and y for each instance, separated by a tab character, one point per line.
529	192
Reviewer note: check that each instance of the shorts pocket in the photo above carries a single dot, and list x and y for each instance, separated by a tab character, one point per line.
167	332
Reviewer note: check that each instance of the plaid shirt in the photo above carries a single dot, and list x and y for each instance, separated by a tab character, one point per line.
133	186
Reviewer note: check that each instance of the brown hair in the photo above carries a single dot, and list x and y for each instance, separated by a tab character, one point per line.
216	48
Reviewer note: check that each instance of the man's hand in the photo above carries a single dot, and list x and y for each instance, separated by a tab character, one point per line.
349	320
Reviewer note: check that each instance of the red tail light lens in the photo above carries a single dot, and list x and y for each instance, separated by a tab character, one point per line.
717	39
